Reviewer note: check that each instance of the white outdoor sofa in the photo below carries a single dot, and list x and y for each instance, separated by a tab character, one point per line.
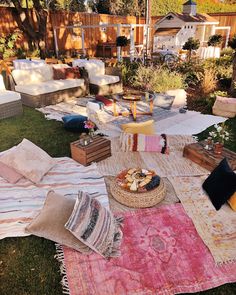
38	89
10	102
102	80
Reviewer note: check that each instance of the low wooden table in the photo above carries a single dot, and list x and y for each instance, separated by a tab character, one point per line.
133	99
95	151
207	158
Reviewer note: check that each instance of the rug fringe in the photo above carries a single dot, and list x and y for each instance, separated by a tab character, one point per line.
60	257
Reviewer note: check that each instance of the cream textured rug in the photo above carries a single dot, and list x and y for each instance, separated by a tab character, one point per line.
173	164
216	228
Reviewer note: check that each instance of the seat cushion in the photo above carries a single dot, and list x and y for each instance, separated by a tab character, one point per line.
139	128
8	96
50	222
24	64
95	226
232	201
32	76
220	185
102	80
93	66
75	123
2	85
49	86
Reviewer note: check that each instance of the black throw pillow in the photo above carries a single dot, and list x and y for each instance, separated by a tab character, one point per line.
220	184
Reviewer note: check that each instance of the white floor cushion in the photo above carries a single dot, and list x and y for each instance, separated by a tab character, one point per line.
8	96
49	86
102	80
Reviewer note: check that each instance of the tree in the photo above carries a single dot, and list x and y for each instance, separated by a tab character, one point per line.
215	40
232	44
190	45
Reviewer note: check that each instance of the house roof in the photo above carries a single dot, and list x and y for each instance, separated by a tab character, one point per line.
198	18
190	2
167	31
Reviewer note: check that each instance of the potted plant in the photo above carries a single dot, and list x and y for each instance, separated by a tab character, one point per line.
219	136
190	45
121	41
215	40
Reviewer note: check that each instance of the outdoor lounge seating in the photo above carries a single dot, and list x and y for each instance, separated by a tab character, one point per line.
10	102
102	80
38	88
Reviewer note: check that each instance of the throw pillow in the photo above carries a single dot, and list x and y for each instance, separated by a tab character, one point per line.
220	184
163	101
107	102
75	123
72	73
95	226
143	143
9	174
232	201
139	128
49	224
29	160
59	73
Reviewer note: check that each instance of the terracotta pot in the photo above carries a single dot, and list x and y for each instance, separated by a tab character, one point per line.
218	148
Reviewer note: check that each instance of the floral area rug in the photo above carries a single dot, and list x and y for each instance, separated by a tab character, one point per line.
216	228
161	254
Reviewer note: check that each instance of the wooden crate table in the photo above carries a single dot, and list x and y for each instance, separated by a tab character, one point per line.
95	151
207	158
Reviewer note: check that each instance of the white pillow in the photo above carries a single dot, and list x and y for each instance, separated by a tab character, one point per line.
29	160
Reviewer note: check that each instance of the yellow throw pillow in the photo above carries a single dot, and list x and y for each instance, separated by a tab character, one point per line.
232	201
139	128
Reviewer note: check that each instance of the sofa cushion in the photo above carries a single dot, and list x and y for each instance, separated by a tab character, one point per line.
32	76
24	64
102	80
8	96
49	86
93	66
2	85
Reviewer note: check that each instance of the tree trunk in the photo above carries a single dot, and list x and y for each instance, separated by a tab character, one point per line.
233	83
36	37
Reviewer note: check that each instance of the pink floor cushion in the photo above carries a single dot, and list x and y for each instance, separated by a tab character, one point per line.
9	173
225	107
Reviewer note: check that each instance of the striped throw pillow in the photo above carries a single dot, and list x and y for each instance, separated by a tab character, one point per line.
144	143
95	226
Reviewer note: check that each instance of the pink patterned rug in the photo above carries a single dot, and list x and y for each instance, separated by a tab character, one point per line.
161	254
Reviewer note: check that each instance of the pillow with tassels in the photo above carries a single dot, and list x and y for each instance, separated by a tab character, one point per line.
95	226
144	143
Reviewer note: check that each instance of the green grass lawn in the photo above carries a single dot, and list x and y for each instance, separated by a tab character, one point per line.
27	265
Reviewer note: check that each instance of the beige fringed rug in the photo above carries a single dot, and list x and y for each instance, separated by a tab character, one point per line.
173	164
216	228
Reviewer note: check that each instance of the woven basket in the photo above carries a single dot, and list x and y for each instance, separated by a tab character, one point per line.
138	200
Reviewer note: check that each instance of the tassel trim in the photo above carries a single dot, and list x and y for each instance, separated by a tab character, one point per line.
61	259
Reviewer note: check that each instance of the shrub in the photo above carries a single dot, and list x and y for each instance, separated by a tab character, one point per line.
157	79
191	44
228	51
191	71
128	70
208	82
222	66
122	41
8	47
215	40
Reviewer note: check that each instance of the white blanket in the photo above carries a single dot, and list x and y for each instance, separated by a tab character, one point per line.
22	201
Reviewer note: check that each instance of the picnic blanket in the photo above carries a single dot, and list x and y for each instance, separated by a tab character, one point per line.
216	228
166	121
22	201
161	254
173	164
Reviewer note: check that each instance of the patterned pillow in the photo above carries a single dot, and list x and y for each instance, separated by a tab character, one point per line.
95	226
29	160
72	73
59	73
144	143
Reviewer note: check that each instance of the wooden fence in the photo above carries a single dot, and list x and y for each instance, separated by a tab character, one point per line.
69	39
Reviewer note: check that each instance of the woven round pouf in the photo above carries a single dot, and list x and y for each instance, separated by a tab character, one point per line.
138	199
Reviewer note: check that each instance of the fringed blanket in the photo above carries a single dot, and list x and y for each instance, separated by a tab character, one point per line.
161	254
216	228
21	202
173	164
